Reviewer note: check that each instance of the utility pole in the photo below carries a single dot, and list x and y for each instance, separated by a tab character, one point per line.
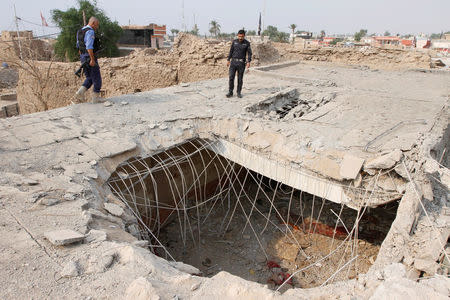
18	34
182	16
84	18
264	16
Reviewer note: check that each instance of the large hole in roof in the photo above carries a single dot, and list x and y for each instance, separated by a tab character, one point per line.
196	206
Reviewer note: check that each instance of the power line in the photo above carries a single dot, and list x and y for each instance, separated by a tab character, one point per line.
23	20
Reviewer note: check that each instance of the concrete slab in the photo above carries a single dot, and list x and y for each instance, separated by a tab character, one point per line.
350	166
305	153
63	237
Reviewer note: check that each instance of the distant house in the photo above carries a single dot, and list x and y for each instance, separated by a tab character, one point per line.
367	40
422	42
137	36
407	43
386	40
303	35
327	40
441	45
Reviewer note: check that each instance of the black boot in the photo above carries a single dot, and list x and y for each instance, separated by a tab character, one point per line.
230	94
239	95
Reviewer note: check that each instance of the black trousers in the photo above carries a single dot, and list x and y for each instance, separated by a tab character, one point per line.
239	67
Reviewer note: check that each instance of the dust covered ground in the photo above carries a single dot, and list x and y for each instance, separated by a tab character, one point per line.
55	165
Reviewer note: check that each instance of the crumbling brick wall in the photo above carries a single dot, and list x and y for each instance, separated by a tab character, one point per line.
377	58
191	59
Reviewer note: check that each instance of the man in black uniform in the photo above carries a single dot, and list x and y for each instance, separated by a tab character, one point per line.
240	48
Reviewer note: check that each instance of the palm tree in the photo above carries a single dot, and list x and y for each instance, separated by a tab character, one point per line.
195	30
214	27
174	31
293	27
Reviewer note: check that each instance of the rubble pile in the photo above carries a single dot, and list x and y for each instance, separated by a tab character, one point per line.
62	229
377	58
8	78
190	59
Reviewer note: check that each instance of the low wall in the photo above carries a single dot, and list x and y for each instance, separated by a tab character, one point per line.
191	59
377	58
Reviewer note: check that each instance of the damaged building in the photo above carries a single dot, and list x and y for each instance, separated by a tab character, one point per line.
322	182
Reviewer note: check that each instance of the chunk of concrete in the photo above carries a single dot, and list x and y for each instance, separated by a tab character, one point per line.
71	269
141	289
184	267
49	201
96	236
350	166
390	183
384	161
63	237
114	209
325	167
426	265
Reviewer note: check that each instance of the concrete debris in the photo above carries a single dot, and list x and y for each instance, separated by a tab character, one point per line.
295	142
141	289
390	183
114	209
350	166
426	265
386	161
357	181
107	103
141	243
30	182
96	236
402	170
63	237
326	166
431	166
185	268
71	269
195	286
49	201
373	57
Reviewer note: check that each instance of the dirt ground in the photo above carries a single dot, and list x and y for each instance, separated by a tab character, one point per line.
269	253
8	79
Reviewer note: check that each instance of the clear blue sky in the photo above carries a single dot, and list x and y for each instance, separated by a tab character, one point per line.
333	16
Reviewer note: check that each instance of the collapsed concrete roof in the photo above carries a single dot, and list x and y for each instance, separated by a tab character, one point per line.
332	132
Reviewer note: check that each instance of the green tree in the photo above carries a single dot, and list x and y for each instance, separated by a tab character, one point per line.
360	34
214	28
194	30
322	33
71	20
293	27
387	33
174	31
336	40
275	35
251	32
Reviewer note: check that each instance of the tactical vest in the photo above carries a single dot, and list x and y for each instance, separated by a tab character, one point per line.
81	45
